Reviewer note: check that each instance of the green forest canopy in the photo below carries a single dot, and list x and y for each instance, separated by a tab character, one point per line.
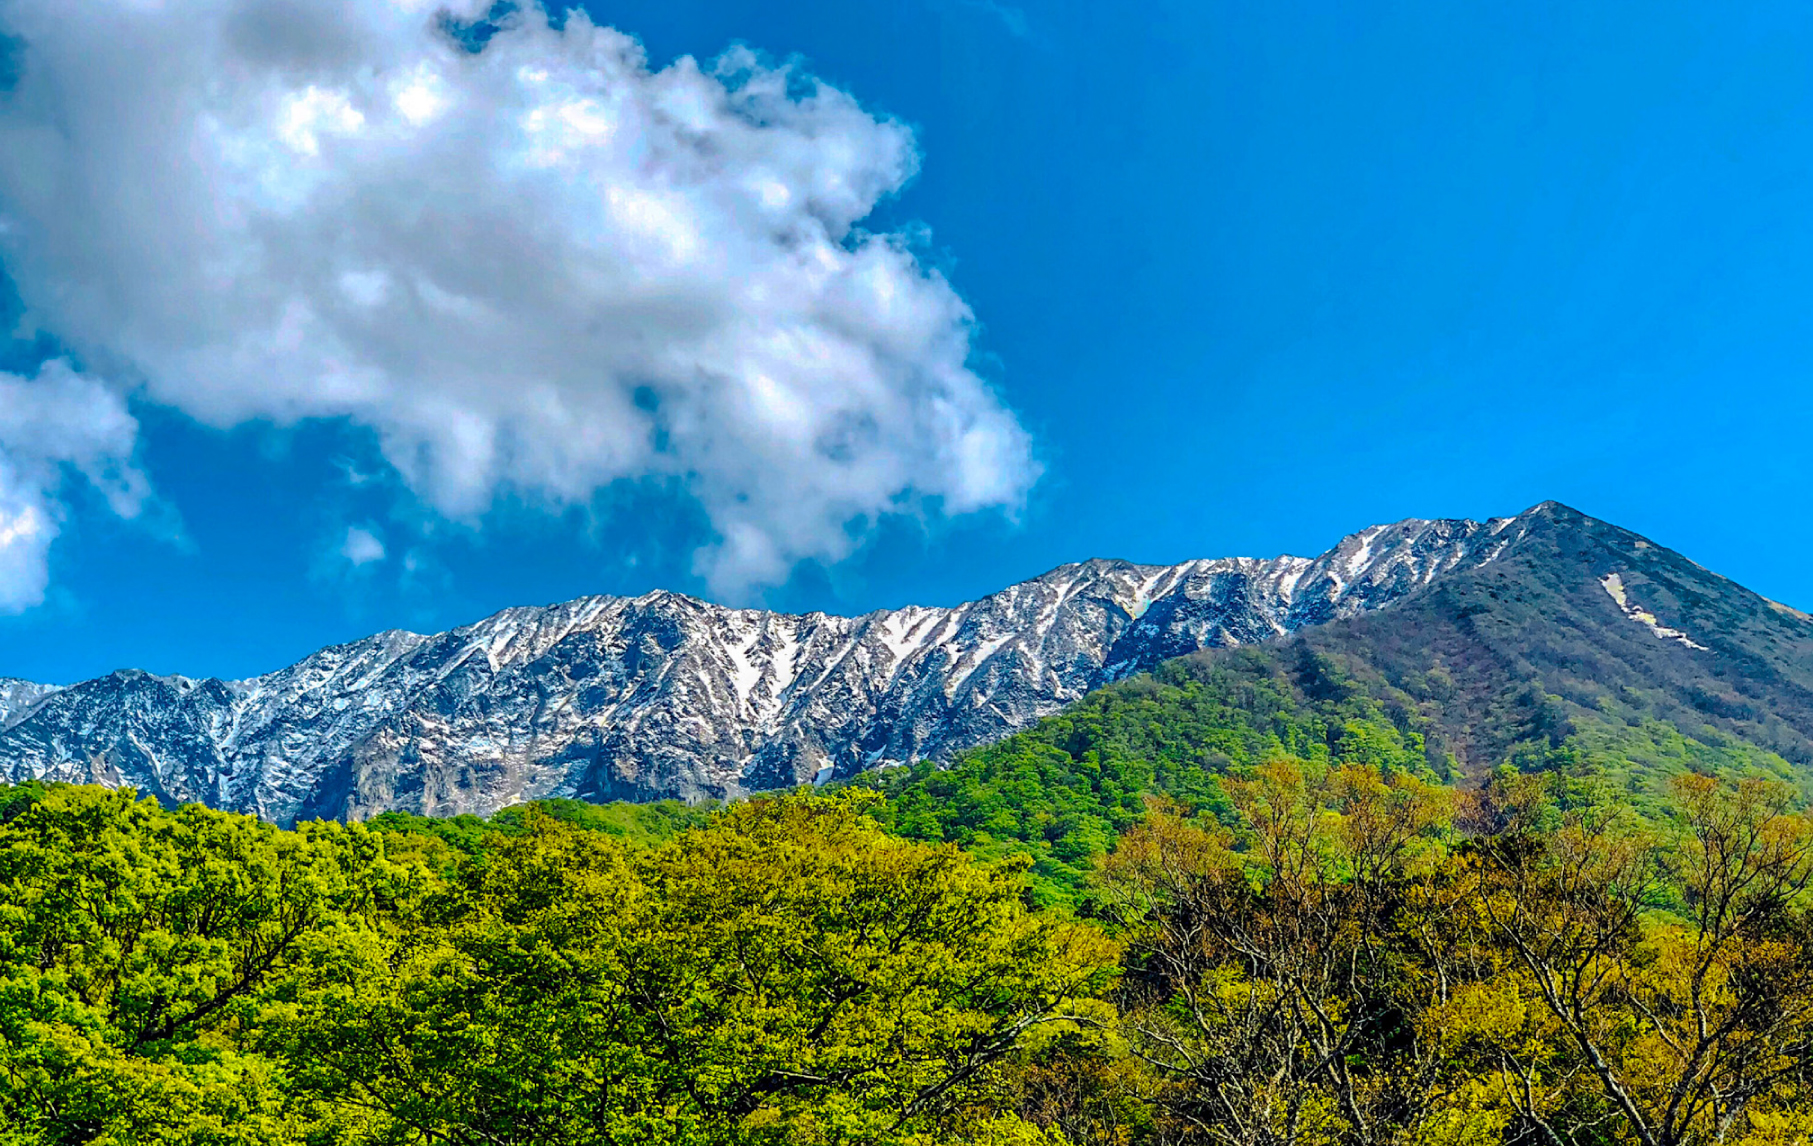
1061	792
1233	902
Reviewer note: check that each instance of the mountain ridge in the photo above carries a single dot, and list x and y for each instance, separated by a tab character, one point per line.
666	695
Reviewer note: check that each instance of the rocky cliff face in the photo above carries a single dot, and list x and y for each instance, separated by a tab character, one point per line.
664	695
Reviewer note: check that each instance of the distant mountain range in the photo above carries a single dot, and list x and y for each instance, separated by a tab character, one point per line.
603	698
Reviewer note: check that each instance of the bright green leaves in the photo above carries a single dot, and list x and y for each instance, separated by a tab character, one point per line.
135	945
788	973
782	972
893	972
499	1015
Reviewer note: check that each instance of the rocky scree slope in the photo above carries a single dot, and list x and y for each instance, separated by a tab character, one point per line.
666	696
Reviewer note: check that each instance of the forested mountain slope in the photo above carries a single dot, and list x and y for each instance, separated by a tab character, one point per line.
1583	649
1581	625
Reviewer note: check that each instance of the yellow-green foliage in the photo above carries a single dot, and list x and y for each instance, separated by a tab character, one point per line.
1340	953
639	825
134	945
784	972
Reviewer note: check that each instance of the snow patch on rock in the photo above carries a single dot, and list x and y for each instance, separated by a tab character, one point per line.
1613	584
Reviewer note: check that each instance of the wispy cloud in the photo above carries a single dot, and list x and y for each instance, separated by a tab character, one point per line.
361	547
1014	19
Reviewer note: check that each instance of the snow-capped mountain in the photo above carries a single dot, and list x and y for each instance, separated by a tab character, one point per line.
664	695
17	697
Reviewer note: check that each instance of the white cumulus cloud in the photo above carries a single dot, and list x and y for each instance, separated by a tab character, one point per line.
54	422
537	268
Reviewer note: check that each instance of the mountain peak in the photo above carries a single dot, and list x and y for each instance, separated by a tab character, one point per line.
667	695
1575	622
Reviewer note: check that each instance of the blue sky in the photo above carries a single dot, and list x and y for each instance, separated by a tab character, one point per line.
1248	277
